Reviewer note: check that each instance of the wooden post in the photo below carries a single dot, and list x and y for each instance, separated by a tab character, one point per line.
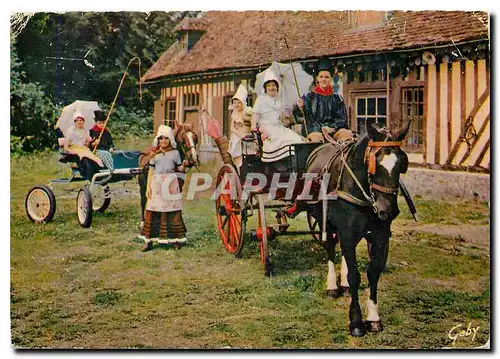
387	101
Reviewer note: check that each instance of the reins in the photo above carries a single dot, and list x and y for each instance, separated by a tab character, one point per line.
370	160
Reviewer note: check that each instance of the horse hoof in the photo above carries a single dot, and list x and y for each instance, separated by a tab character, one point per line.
374	327
357	330
346	292
334	293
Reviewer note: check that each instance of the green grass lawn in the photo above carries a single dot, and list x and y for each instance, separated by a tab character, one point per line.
93	288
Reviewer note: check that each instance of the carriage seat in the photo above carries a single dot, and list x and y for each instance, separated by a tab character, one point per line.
69	158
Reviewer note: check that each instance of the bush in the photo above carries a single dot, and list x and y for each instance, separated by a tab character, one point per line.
32	117
125	122
32	113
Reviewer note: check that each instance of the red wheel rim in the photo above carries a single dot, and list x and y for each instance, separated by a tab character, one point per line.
229	222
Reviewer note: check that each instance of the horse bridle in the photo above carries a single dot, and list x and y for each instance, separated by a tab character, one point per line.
190	141
370	160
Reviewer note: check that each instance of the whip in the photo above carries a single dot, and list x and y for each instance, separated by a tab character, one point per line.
118	92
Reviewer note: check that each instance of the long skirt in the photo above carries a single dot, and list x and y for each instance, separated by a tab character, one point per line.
276	145
160	225
235	149
84	152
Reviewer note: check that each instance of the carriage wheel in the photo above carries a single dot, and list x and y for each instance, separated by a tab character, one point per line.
101	198
40	204
315	226
229	211
84	207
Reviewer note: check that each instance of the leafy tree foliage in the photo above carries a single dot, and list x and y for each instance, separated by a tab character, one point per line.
62	57
31	112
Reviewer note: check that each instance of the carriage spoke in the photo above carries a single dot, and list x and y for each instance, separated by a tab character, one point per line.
39	204
235	232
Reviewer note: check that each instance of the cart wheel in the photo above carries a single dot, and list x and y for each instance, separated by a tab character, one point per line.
40	204
230	217
101	199
314	226
84	207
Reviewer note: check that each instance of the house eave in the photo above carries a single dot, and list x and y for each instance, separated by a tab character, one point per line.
220	72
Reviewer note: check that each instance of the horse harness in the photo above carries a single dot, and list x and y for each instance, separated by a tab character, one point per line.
372	149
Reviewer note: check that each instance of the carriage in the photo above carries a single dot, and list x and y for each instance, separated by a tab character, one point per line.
233	211
94	196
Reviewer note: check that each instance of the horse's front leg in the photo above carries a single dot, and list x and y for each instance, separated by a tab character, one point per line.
332	290
348	240
379	251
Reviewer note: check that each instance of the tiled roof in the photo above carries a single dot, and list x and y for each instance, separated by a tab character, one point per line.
191	24
247	39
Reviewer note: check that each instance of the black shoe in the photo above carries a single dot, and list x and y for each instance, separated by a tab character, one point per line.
147	246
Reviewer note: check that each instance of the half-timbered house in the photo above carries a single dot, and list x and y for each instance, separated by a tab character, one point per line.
432	67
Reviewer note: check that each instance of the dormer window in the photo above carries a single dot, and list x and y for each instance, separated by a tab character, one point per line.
189	31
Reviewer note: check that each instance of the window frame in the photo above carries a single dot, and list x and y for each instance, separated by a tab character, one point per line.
191	101
366	95
410	147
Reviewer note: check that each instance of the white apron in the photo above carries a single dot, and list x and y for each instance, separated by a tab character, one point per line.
164	190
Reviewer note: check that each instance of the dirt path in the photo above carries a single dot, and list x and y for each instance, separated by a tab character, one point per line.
477	235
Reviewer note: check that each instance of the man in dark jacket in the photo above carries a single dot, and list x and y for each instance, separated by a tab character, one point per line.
323	109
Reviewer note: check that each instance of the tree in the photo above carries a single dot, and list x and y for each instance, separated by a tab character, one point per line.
82	55
31	112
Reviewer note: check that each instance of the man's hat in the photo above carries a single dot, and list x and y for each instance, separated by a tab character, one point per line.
324	65
99	116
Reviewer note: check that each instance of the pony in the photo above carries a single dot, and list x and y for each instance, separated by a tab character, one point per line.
187	140
364	175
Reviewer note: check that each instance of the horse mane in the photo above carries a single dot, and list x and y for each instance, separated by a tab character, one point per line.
360	147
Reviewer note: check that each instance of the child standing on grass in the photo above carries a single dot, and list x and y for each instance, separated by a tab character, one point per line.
163	218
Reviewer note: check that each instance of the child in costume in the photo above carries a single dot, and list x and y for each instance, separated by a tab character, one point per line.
163	217
105	143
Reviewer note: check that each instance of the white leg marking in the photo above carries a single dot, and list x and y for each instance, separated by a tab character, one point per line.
372	311
331	282
389	161
343	274
192	146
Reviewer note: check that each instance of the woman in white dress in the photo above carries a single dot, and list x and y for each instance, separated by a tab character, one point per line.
267	111
239	129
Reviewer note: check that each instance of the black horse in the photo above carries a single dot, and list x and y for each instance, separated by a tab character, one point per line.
365	176
187	141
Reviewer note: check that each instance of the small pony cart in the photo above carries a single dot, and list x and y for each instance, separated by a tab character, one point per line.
94	196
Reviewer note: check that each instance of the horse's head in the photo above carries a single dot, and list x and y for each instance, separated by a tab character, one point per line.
385	161
187	141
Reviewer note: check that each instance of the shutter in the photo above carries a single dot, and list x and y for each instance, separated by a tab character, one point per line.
218	109
159	114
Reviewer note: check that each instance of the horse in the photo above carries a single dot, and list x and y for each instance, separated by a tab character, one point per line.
187	141
365	177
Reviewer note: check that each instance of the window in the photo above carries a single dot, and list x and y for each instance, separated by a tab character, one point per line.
412	108
370	107
170	112
191	100
183	41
